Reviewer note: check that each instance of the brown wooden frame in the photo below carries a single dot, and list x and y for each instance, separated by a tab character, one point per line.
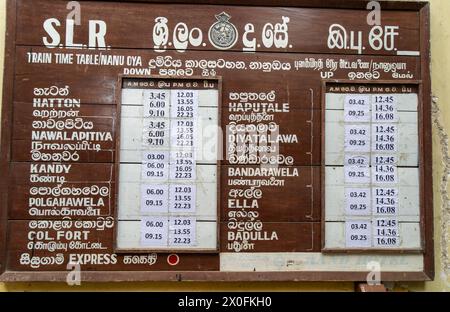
118	98
5	131
102	276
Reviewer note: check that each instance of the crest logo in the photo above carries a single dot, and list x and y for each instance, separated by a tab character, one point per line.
223	35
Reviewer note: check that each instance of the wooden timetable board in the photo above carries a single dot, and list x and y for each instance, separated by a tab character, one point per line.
216	140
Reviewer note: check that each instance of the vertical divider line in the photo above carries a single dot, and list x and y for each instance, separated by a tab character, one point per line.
169	164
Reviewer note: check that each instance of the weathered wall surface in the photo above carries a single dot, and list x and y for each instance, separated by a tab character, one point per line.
440	42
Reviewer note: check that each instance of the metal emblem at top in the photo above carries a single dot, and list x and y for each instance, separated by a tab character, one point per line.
223	34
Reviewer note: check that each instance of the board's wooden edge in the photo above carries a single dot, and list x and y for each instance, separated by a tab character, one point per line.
426	158
334	4
117	276
141	276
6	120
